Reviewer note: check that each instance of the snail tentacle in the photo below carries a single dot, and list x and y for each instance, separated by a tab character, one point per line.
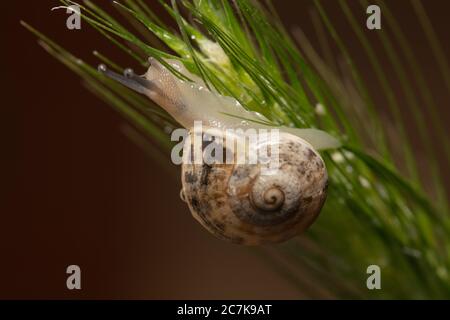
129	79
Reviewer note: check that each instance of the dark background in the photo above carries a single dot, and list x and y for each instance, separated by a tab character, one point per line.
75	190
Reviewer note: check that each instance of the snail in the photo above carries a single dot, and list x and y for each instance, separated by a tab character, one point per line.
243	203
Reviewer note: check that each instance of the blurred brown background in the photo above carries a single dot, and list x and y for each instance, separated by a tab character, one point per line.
75	190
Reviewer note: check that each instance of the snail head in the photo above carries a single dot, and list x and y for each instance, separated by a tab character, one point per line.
129	79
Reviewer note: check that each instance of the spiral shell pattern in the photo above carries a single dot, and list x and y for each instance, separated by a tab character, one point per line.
245	204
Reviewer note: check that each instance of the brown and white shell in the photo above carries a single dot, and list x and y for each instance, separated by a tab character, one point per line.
244	204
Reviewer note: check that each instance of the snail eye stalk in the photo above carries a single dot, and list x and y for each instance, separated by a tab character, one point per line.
128	79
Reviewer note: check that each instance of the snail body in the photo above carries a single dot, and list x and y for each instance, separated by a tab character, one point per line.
240	202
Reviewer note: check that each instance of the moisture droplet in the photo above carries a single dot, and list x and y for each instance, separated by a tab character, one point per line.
128	73
102	68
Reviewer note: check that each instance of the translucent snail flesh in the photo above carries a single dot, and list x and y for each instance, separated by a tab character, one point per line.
240	202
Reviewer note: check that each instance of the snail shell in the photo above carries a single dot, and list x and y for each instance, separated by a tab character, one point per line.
247	205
